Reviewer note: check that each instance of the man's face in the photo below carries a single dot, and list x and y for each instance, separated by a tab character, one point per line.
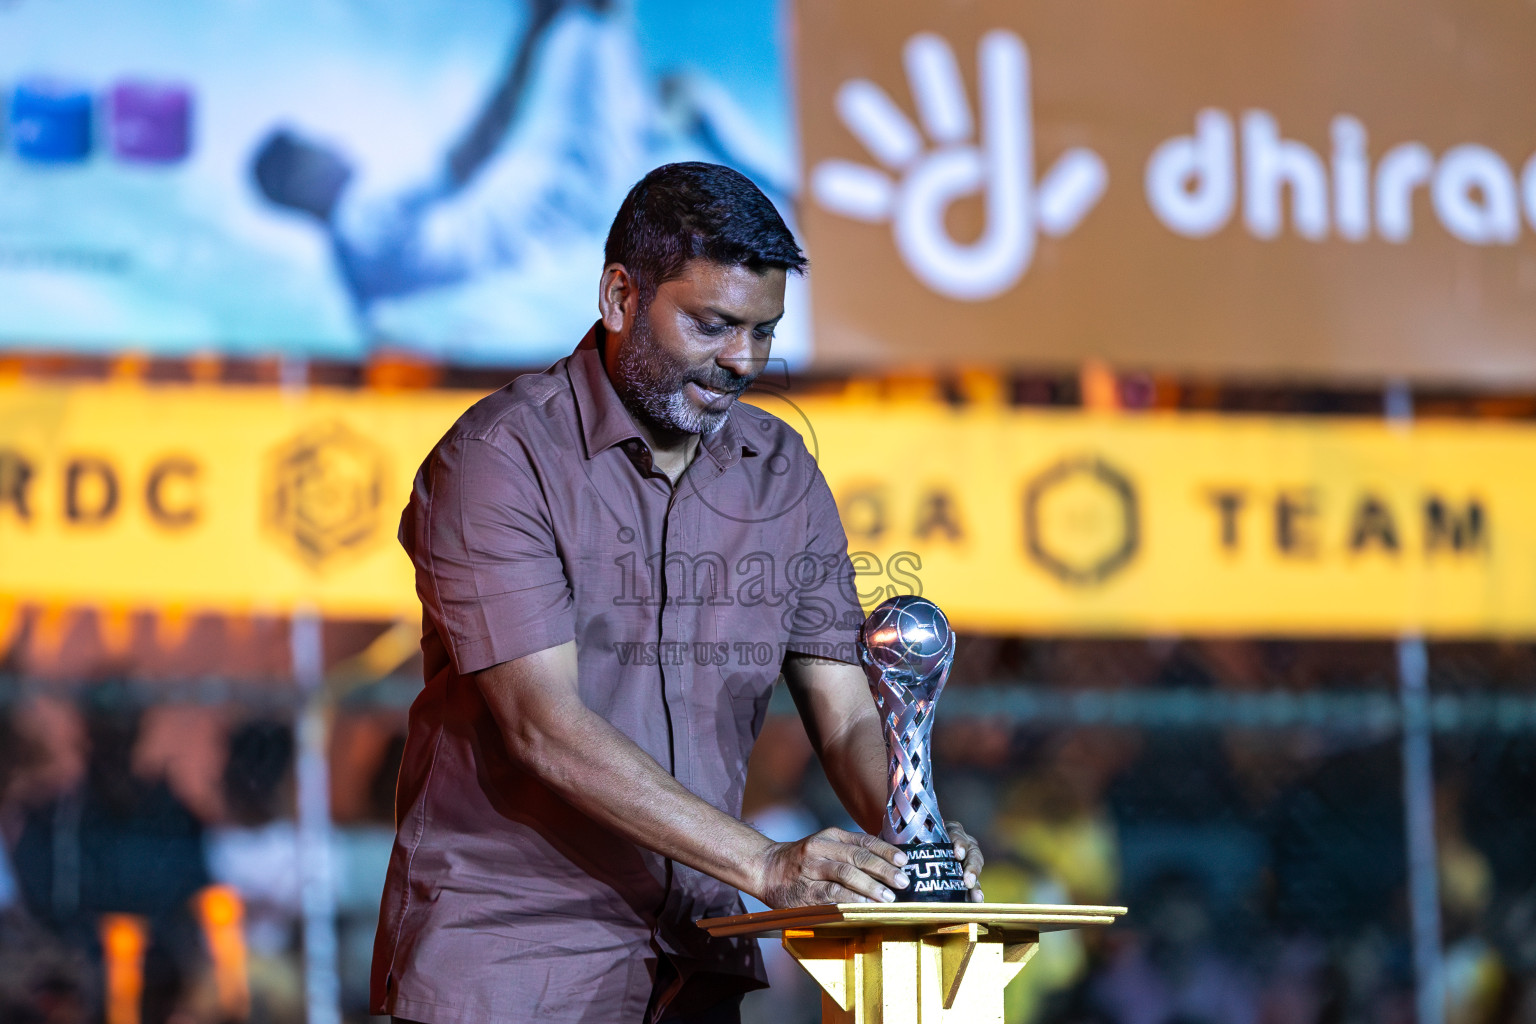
700	343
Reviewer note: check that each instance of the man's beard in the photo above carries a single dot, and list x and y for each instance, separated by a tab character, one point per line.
651	384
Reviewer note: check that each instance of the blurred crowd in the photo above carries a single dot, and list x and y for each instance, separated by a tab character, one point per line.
151	854
152	870
1265	869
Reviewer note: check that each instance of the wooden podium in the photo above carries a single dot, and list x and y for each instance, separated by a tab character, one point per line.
912	963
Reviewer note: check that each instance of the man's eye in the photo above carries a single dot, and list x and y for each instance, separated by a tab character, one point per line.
713	330
763	333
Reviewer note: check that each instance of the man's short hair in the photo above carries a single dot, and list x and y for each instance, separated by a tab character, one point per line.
688	211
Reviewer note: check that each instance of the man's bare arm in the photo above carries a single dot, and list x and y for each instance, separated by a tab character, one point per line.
601	772
844	727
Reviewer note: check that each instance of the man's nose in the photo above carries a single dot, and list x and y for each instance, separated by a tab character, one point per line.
739	355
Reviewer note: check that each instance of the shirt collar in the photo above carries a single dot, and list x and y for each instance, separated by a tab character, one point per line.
605	421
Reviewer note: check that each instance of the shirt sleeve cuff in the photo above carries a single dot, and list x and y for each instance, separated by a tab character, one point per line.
828	646
475	655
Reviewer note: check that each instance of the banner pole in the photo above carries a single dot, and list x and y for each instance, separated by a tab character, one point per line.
317	894
1419	791
1419	818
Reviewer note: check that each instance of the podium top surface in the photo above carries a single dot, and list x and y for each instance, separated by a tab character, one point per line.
1035	917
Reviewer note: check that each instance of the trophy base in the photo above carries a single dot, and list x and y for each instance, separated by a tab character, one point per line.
936	875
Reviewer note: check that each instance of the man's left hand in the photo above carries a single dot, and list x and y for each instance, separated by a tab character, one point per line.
970	856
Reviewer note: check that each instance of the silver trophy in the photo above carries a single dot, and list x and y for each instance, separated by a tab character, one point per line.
906	648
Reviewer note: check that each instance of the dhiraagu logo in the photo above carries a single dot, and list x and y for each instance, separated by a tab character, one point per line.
953	155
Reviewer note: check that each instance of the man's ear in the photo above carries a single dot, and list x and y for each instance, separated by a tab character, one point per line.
618	298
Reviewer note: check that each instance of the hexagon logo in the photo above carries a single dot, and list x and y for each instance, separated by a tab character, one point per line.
324	493
1081	522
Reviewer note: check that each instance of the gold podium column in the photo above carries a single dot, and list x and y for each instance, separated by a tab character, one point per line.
913	963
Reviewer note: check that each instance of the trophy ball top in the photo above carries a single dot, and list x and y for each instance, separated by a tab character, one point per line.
908	635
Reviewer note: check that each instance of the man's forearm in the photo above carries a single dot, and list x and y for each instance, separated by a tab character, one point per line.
602	773
855	762
605	775
844	728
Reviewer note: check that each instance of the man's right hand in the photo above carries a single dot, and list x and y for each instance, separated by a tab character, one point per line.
832	866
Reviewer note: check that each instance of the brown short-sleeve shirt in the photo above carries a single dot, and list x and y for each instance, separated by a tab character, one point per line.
537	520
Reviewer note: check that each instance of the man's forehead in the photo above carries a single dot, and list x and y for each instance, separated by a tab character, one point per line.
733	287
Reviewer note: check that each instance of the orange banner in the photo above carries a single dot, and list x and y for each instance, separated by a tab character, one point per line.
1336	189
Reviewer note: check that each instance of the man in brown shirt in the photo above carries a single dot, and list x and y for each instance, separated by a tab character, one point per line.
616	560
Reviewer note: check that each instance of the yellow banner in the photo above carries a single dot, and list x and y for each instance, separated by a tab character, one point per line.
244	499
1185	523
1037	522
